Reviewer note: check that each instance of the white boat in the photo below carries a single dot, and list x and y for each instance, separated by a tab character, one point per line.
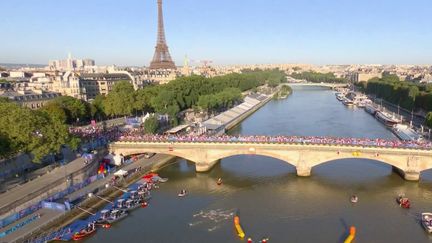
116	215
387	118
183	193
354	199
426	220
406	133
347	102
340	96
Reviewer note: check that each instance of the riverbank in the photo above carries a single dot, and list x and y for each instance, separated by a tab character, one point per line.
94	204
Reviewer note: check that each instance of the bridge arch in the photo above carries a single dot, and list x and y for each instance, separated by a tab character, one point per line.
289	159
375	159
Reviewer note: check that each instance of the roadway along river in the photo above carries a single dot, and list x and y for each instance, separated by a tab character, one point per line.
272	201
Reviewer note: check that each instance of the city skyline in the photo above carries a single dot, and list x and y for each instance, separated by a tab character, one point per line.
349	32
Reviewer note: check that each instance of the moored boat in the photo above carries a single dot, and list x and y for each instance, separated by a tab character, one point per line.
104	214
347	102
406	133
116	215
426	220
132	204
371	109
84	233
387	119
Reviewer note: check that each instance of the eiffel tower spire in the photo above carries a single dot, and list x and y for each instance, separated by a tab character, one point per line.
161	58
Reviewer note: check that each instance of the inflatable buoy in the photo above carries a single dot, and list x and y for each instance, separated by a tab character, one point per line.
249	240
351	236
144	204
238	227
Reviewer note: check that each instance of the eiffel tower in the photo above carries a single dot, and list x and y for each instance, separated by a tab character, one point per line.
161	58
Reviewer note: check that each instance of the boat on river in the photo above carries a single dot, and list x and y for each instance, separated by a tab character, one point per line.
347	102
183	193
84	233
104	214
387	118
403	202
426	221
340	96
116	215
371	109
354	199
406	133
132	204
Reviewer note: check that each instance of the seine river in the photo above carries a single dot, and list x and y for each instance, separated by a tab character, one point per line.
272	201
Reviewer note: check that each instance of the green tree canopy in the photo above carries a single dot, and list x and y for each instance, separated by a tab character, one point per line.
121	100
151	125
27	131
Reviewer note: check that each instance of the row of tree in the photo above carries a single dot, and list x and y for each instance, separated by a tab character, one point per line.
211	94
37	132
41	132
408	95
316	77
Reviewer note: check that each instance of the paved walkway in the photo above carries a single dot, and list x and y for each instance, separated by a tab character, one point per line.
49	215
46	216
36	187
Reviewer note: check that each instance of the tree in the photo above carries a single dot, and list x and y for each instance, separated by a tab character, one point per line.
121	100
97	108
429	119
55	112
75	109
28	131
151	124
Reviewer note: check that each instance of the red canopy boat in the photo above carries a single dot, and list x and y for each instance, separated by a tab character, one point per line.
403	202
83	233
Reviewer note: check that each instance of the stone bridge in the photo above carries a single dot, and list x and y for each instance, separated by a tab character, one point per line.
326	85
406	161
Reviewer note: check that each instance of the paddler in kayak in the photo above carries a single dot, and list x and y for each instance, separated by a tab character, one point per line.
219	181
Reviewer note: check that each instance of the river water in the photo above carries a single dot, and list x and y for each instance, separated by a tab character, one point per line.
272	201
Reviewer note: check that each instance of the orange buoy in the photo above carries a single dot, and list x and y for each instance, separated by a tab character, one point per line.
352	230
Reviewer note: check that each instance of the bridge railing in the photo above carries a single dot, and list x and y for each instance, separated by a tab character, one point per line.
359	144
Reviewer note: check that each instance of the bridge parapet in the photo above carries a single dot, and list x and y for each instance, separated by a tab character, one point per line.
303	156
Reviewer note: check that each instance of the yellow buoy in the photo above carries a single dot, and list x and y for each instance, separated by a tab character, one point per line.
238	227
351	236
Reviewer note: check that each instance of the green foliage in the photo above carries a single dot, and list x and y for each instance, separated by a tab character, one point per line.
429	119
55	112
75	109
121	100
220	101
37	132
185	92
97	108
405	94
151	125
315	77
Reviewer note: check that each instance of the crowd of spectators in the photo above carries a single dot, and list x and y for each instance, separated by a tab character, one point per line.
378	142
115	133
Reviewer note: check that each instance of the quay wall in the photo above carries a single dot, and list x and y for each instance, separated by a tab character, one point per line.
248	113
45	192
94	204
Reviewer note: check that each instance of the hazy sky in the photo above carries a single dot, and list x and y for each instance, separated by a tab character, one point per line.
123	32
